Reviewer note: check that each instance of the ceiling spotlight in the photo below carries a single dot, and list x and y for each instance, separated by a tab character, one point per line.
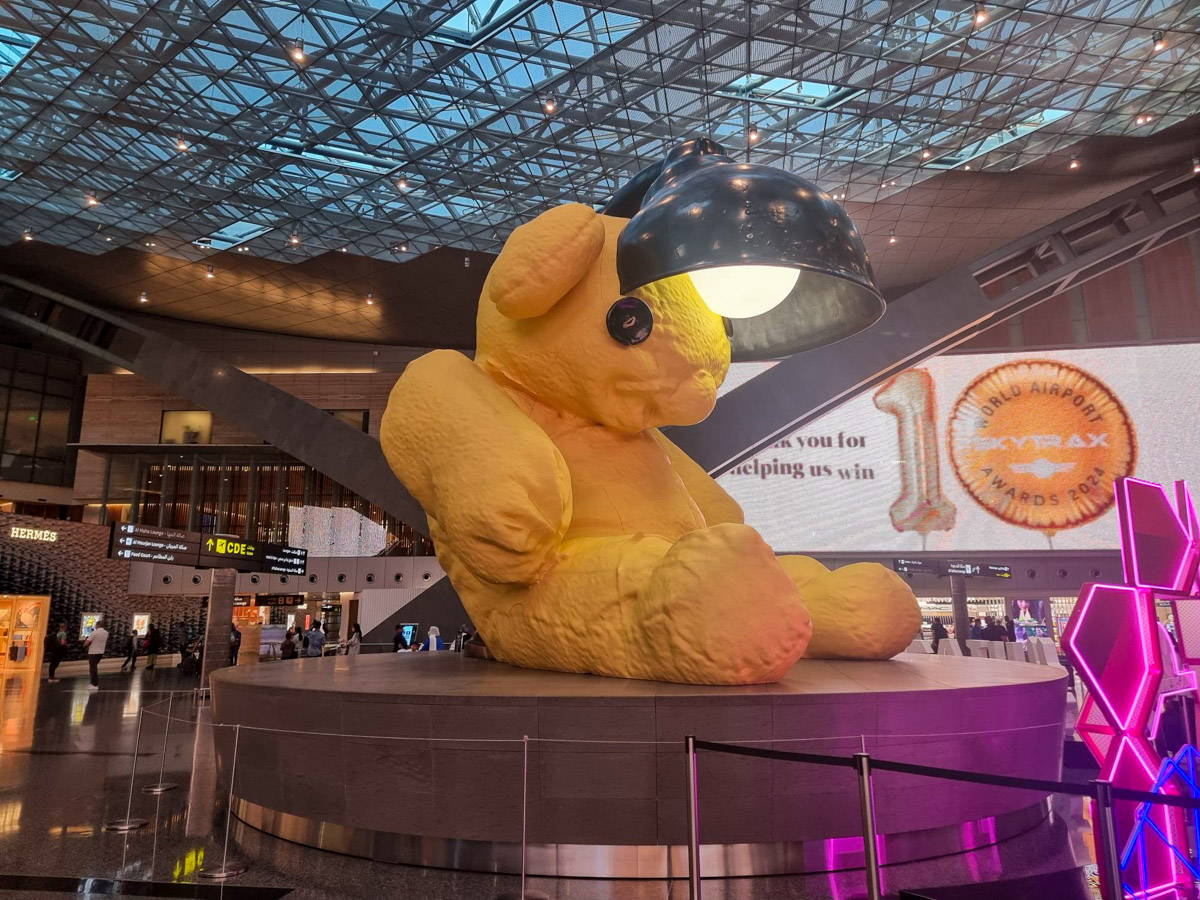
967	167
402	183
181	145
297	52
402	247
91	200
150	243
1196	165
1160	42
752	134
925	154
210	273
108	239
344	249
981	15
1074	163
294	239
1144	119
370	299
144	298
549	105
892	236
27	234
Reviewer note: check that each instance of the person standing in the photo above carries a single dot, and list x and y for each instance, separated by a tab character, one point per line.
316	640
56	650
433	639
287	650
398	641
976	630
95	645
1010	630
939	633
153	646
235	643
354	645
131	658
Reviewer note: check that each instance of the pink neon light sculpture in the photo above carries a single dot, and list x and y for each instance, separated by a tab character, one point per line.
1113	639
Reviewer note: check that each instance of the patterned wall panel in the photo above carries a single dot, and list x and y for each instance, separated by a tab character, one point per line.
75	571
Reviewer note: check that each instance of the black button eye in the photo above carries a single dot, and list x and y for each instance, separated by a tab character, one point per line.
630	321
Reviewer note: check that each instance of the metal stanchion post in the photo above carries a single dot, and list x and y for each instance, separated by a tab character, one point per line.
128	823
225	870
693	818
524	894
1109	856
161	787
866	798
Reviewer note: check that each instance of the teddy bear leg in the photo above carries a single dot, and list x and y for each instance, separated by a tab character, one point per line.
714	607
860	611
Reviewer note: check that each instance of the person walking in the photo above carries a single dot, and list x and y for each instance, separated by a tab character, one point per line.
96	644
354	645
316	640
153	646
131	658
56	650
235	643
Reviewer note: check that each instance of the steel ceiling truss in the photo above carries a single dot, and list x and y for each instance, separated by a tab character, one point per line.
448	99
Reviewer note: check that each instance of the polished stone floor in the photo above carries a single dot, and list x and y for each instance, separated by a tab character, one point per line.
65	760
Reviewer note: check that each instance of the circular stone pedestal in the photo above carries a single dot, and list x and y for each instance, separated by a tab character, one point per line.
419	758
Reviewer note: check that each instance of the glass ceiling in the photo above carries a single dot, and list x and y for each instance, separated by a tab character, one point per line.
390	128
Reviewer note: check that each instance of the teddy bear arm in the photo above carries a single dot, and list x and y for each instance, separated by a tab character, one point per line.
715	504
497	486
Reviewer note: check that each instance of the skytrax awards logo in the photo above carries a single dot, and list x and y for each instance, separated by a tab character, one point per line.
1038	444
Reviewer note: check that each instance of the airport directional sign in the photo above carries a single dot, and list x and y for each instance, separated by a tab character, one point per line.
149	543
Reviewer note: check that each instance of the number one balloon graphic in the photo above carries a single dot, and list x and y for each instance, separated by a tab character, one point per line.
920	506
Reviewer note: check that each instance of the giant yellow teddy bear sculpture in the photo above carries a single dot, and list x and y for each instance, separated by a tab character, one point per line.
580	538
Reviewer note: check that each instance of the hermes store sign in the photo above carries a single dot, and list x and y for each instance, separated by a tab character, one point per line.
34	534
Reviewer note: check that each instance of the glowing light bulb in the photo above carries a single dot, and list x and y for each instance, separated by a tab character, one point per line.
294	239
741	292
210	273
91	200
549	105
181	145
752	134
297	52
144	298
1074	163
370	299
925	154
1196	165
981	15
402	183
1160	42
404	248
892	236
27	235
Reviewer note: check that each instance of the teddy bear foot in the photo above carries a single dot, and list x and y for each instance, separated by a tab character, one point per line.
860	611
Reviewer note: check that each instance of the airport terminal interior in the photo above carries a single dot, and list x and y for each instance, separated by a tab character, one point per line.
575	450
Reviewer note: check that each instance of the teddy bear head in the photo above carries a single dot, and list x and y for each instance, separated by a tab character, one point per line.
554	323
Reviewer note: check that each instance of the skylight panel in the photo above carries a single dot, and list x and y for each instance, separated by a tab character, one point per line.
789	92
14	47
1007	135
232	235
330	156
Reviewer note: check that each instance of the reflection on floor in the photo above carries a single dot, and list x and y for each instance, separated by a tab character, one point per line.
65	758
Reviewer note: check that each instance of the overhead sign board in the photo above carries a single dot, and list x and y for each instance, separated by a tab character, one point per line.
282	559
919	566
148	543
978	570
173	546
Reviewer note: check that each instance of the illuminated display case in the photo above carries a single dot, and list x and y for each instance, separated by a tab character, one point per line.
22	632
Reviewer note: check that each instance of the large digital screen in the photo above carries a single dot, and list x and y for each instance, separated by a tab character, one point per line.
989	451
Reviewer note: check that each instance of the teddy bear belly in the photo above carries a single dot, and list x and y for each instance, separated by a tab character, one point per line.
626	493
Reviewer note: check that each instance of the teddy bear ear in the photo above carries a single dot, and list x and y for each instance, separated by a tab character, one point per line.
543	259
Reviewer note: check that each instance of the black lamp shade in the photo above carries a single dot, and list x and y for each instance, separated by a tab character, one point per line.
700	209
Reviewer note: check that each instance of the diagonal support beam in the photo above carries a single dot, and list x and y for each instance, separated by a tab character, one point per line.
941	315
345	454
